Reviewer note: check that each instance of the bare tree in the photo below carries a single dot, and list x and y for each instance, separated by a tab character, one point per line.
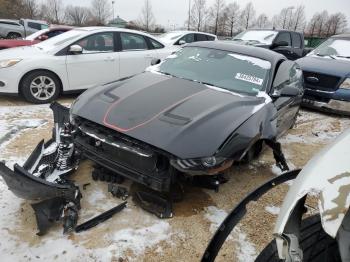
30	9
216	12
147	20
311	28
233	13
53	11
11	9
77	15
198	14
101	11
322	19
248	15
262	21
284	19
338	23
299	18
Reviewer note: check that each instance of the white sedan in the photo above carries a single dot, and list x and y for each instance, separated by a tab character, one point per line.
76	60
175	39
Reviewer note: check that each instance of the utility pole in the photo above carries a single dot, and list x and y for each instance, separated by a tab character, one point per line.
113	2
189	14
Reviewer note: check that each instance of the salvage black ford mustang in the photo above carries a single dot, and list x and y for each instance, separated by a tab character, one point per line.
197	112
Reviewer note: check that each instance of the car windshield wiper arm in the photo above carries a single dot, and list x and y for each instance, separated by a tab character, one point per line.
342	56
331	56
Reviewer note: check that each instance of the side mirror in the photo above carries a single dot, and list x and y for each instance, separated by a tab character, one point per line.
279	44
182	42
287	91
155	61
76	49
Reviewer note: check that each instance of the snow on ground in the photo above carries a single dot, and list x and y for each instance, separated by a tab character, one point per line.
245	250
273	210
215	216
322	128
129	236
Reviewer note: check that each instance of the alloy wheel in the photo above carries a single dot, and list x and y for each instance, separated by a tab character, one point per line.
42	88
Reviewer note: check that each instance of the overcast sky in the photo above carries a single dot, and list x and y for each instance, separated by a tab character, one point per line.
170	12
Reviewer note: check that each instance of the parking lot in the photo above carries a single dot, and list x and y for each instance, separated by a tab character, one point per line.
134	234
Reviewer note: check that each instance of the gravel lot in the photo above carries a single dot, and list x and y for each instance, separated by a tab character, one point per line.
135	235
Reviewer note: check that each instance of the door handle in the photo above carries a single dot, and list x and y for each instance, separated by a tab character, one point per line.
148	56
109	59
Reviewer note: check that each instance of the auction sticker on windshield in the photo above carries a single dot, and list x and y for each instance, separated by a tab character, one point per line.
250	78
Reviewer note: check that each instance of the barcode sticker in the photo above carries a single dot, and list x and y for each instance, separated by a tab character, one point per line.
249	78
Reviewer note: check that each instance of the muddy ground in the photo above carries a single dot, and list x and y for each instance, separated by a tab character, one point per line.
135	235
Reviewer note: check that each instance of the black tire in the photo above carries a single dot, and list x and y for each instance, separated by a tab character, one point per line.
317	246
51	85
13	36
253	152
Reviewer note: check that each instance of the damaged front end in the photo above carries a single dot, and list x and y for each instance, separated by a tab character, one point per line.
43	177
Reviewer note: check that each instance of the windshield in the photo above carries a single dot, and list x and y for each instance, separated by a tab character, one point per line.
36	34
256	36
170	37
223	69
333	47
61	39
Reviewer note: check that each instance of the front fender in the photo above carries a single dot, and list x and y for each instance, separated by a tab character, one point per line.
327	176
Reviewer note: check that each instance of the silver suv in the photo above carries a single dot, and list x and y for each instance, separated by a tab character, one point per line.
13	29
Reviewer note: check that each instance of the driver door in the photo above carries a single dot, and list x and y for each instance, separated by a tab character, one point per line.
288	74
98	63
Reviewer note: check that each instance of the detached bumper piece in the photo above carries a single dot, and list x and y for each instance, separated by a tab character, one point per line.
100	218
43	177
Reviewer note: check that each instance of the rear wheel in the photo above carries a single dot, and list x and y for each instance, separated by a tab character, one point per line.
317	246
13	36
40	87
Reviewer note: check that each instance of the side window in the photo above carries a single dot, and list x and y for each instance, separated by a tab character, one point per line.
98	43
133	42
34	25
156	44
9	23
285	37
189	38
210	38
54	33
296	40
201	37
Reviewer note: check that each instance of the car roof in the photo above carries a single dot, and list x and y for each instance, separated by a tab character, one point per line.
9	20
106	28
272	29
257	52
190	32
344	36
61	27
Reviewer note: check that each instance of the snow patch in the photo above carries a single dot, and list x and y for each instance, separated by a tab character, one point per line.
215	216
138	240
273	210
253	60
245	250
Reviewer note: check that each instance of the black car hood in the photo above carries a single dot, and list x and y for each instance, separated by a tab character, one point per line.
324	65
184	118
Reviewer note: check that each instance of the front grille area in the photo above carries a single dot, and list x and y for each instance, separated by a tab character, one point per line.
324	83
119	148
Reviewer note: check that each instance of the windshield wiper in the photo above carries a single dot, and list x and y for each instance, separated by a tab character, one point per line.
166	73
321	55
342	56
